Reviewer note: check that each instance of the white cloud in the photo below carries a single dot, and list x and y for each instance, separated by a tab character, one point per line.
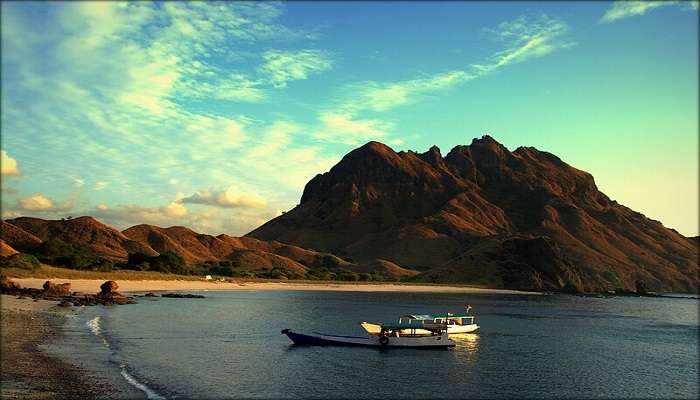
232	197
173	210
4	188
99	185
77	182
275	137
285	66
626	9
39	202
525	38
210	220
210	135
382	96
344	128
8	214
8	165
122	215
521	39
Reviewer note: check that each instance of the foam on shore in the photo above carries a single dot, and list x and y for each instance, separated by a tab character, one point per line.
95	327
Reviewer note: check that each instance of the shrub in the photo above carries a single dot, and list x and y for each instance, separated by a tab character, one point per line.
365	276
347	276
21	261
168	262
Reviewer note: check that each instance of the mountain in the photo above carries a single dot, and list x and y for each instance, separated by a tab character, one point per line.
6	250
483	214
25	233
16	238
100	238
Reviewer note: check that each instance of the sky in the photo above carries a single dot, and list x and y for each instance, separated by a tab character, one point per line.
215	115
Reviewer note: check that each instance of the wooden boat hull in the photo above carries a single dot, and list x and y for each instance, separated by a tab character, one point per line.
321	339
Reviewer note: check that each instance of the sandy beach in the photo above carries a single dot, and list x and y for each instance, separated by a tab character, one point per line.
126	286
28	372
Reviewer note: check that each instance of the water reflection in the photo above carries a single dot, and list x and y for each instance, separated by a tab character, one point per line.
468	342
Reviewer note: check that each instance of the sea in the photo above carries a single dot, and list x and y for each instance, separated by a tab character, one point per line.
229	345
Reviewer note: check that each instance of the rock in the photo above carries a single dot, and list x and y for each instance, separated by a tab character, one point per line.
64	303
8	285
183	296
56	289
641	288
109	286
150	294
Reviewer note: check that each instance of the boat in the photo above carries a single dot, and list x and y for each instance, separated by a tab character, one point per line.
390	335
456	324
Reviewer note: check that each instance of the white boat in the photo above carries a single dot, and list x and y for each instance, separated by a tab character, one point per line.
456	324
390	335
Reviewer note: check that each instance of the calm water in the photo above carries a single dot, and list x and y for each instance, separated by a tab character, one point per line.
229	345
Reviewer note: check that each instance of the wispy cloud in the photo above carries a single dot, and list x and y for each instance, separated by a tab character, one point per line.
626	9
285	66
346	129
382	96
121	86
8	165
232	197
519	40
525	38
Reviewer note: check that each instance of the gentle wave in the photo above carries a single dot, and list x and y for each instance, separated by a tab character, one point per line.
94	325
96	328
149	393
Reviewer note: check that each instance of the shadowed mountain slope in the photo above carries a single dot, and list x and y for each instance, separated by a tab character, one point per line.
523	219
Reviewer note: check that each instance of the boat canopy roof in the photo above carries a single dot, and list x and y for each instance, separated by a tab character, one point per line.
434	316
418	324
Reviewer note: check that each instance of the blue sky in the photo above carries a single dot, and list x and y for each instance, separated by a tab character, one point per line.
215	115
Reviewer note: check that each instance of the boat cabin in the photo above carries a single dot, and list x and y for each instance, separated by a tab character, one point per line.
447	319
416	328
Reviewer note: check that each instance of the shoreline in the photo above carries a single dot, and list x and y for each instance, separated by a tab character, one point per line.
39	343
31	370
137	286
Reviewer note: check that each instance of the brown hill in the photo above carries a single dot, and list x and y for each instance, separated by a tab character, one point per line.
102	239
521	219
6	250
245	252
198	247
16	237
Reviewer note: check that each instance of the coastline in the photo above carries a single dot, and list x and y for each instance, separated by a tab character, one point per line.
39	357
131	286
29	371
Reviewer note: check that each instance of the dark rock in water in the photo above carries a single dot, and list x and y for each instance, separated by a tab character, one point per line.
64	303
56	289
109	286
641	288
150	294
570	288
183	296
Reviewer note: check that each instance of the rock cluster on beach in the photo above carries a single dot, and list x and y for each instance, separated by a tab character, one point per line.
61	292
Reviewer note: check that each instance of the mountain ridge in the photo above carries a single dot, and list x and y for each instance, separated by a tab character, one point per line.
481	214
425	211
